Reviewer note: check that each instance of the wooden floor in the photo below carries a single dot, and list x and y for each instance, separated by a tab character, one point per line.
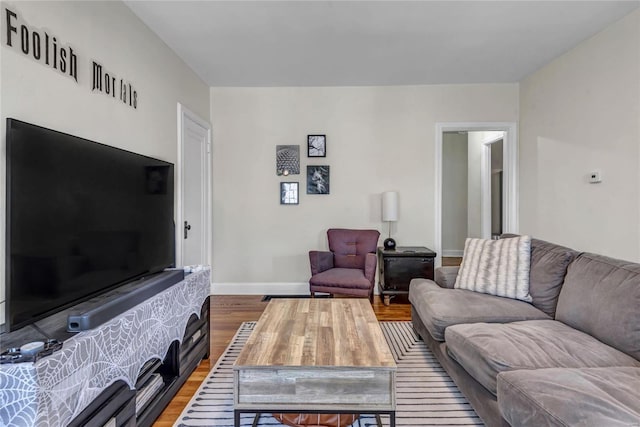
227	314
451	261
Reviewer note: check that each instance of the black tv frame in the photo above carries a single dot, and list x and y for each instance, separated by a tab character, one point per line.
10	326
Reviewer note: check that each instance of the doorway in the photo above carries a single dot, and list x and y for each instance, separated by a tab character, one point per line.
193	172
476	181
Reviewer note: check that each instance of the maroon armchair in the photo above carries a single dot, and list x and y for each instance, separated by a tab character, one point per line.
350	266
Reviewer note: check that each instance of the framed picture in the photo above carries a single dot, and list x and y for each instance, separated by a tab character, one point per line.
289	193
316	145
287	160
317	179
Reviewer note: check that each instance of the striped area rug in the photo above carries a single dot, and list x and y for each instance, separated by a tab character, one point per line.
425	395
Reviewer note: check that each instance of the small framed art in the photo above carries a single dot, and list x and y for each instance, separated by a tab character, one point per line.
287	160
289	192
316	145
318	179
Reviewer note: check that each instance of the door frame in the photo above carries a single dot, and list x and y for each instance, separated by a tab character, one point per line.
183	113
510	174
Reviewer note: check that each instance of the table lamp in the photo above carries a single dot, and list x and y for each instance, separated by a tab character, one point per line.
390	214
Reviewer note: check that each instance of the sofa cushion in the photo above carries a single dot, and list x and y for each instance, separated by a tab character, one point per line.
601	296
341	278
549	264
445	277
486	349
439	308
570	397
496	267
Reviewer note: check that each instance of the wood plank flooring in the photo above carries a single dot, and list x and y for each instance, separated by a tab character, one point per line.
451	261
227	314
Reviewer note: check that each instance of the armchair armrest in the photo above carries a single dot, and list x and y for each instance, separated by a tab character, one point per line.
370	262
320	261
445	277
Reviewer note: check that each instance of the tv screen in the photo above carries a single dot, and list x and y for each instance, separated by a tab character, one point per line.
82	218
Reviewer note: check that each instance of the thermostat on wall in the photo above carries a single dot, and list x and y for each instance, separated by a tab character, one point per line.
595	177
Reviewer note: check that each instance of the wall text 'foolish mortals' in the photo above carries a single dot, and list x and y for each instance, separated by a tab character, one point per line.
46	49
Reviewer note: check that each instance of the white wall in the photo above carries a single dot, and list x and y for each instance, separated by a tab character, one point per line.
109	33
454	193
378	139
579	113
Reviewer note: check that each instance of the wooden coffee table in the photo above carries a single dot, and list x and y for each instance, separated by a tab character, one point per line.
316	356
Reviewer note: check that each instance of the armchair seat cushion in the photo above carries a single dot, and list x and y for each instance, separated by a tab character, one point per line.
348	278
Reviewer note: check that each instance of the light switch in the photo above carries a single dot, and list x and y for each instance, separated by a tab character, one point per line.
595	177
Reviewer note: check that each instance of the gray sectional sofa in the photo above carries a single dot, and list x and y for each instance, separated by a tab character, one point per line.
569	358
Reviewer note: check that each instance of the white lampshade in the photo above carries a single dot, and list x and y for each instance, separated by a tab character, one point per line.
390	206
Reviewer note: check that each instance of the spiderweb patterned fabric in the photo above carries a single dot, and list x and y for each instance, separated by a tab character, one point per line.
57	388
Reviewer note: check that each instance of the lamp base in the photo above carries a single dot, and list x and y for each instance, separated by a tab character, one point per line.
389	244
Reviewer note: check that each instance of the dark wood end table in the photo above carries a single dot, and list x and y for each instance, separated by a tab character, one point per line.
397	267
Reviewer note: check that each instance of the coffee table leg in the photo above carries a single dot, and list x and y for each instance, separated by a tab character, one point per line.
392	419
236	418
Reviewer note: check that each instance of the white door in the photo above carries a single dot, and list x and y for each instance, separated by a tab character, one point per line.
194	229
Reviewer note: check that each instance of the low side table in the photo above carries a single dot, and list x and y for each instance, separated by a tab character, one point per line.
397	268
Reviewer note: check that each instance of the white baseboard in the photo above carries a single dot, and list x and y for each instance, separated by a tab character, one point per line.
263	288
452	253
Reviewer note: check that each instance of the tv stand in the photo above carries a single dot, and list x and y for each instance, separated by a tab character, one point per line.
147	352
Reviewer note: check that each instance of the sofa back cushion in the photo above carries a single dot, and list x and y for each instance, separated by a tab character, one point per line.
549	264
601	296
350	247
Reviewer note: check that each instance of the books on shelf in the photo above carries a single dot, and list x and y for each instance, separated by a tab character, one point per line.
148	391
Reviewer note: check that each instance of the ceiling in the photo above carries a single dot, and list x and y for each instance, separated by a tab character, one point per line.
361	43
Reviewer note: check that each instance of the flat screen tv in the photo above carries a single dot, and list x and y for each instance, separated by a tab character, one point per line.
82	218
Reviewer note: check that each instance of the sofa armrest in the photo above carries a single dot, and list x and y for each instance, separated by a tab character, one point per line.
445	277
370	262
320	261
